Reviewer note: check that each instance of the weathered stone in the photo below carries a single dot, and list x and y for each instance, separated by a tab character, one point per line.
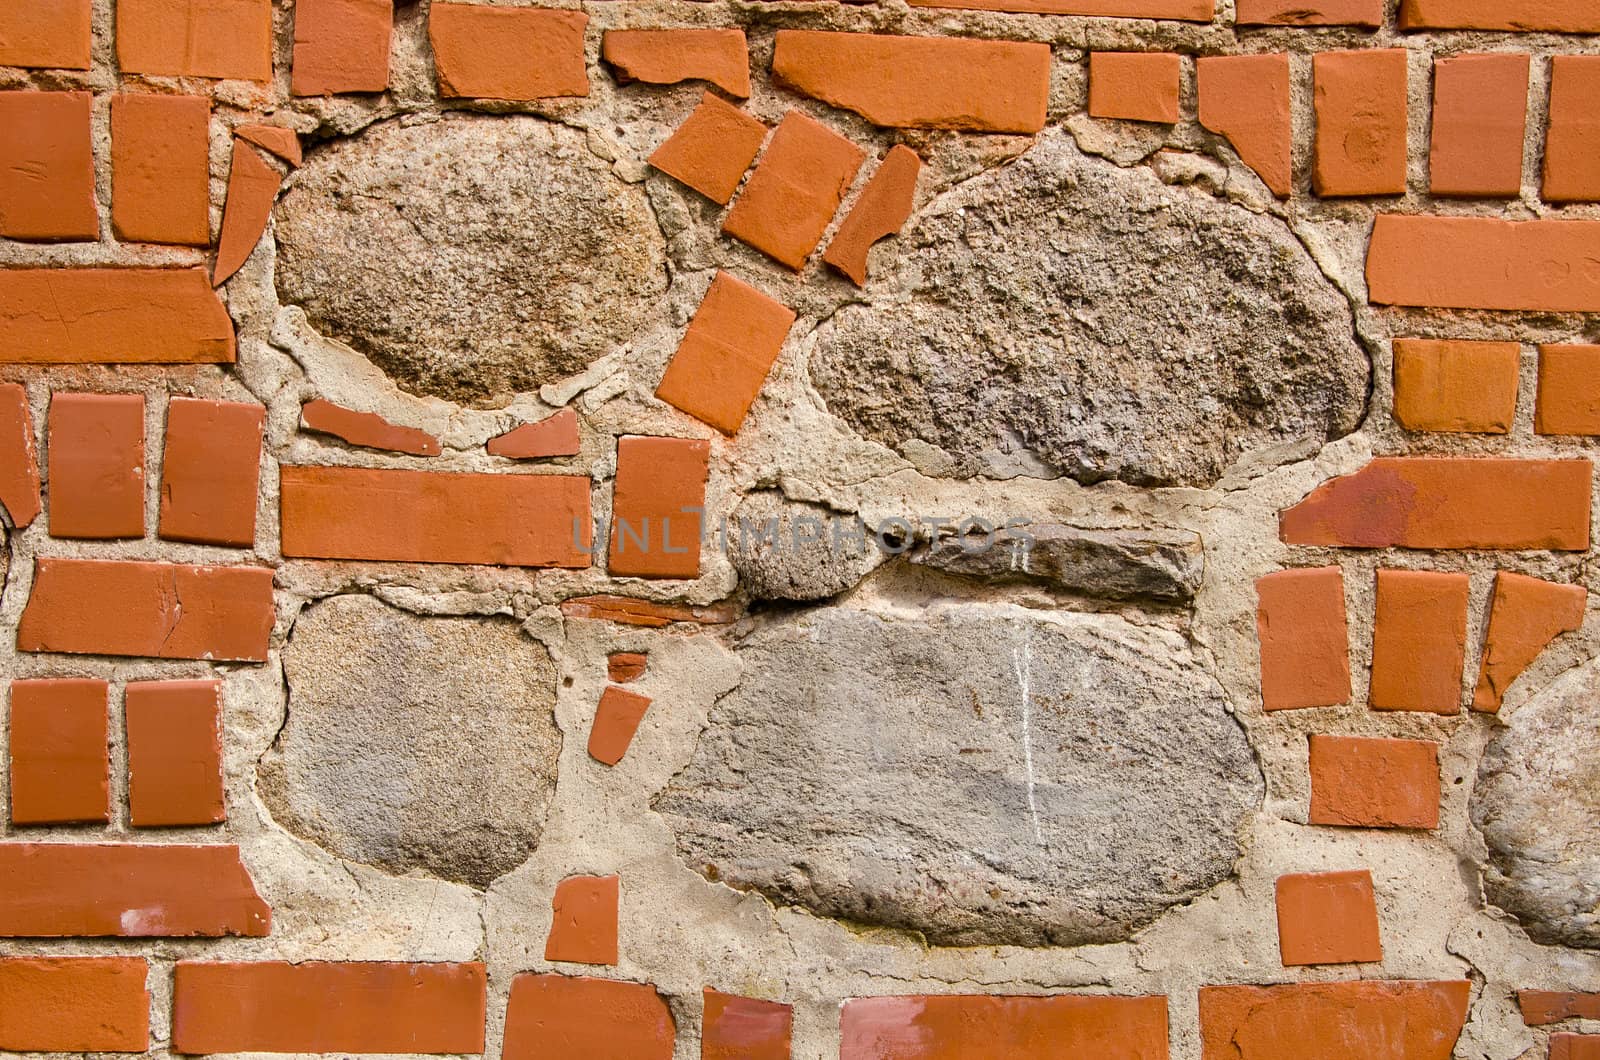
470	257
1162	565
792	550
415	743
1537	802
983	775
1062	315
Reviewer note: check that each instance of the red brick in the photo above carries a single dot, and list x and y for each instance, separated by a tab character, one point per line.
19	457
1527	614
1484	263
275	139
880	211
161	169
555	435
657	507
341	46
668	56
1369	783
712	148
45	34
583	920
1569	391
1136	86
508	53
196	38
252	189
96	450
1541	1007
1419	641
743	1028
629	611
726	354
1360	101
58	890
1370	1019
1456	386
1575	1047
1567	16
1305	645
1328	918
122	316
1246	99
74	1005
1480	115
790	198
616	720
1368	13
597	1019
1448	502
174	753
1572	145
60	756
328	1007
158	610
210	470
624	667
920	82
366	429
957	1027
47	167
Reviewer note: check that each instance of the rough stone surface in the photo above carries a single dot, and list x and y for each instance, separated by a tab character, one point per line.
1162	565
470	257
983	775
1070	317
791	550
415	743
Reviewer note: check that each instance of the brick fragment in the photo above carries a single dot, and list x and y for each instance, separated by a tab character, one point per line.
1135	86
919	82
161	169
74	1005
1527	614
252	189
555	435
1328	918
510	53
628	611
1448	502
712	148
210	471
341	46
174	753
1569	391
328	1007
118	316
1562	16
196	38
598	1019
1371	783
158	610
616	720
60	757
47	167
1480	116
46	34
669	56
96	465
1542	1007
366	429
1360	102
790	198
1483	263
1183	10
1572	143
880	211
952	1027
19	457
726	353
274	139
1419	641
1575	1047
1365	13
625	667
1305	643
744	1028
1246	99
657	507
1456	386
583	920
1372	1019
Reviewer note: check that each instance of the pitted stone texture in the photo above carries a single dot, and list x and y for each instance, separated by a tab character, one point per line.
983	775
1537	802
1161	565
792	550
415	743
471	257
1060	315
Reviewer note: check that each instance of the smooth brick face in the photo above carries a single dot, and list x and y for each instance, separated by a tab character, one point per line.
743	1028
1313	13
96	465
1328	918
1360	101
1455	386
583	921
1305	647
555	435
174	753
1575	1047
1370	1019
366	429
616	719
669	56
1541	1007
45	33
1246	99
46	167
1527	614
19	458
1187	10
196	38
341	46
1569	16
882	208
653	532
74	1005
956	1027
60	762
508	53
597	1019
1136	86
1480	115
1371	783
1483	263
1569	391
161	169
328	1007
126	316
1572	145
209	472
252	189
712	148
280	142
1419	641
726	353
793	194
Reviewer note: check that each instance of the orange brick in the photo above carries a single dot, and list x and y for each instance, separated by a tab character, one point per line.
174	753
879	212
1575	1047
1369	783
1246	99
1542	1007
956	1027
1360	101
669	56
555	435
744	1028
1455	386
122	316
45	34
583	920
624	667
1483	263
628	611
1305	647
161	169
1527	614
47	167
1136	86
366	429
712	148
616	719
657	507
726	354
1480	115
96	465
793	194
252	189
74	1005
1566	16
210	471
1371	1019
275	139
1419	641
1572	146
196	38
60	757
19	457
510	53
598	1019
1328	918
1184	10
1367	13
341	46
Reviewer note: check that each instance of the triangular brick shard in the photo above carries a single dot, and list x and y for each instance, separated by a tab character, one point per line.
366	429
555	435
878	213
252	188
1527	614
284	143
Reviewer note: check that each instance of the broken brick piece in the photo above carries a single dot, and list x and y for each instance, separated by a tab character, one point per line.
1135	86
583	920
956	1027
1569	391
1456	386
1480	117
1527	614
196	38
711	149
1305	643
96	451
616	719
630	611
1328	918
19	457
1245	98
513	53
1360	102
1419	641
790	198
879	212
1364	13
47	167
252	189
210	471
274	139
1542	1007
1483	263
625	667
555	435
116	316
598	1019
1572	145
174	753
161	169
60	757
668	56
726	353
1371	1018
341	46
46	34
74	1005
744	1028
1358	782
1575	1047
658	507
366	429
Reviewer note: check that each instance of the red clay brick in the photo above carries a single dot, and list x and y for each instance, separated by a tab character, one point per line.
597	1019
743	1028
210	470
1246	99
366	429
1370	1019
555	435
1328	918
1448	502
879	212
1527	614
174	753
1455	386
1367	13
790	198
1567	16
1360	100
1480	115
1572	146
956	1027
1484	263
19	457
1184	10
1569	391
629	611
60	756
121	316
158	610
59	890
508	53
328	1007
252	189
1358	782
45	34
583	920
1541	1007
47	167
341	46
74	1005
1419	641
616	720
726	354
161	169
920	82
1305	645
668	56
1135	86
711	149
196	38
275	139
656	507
96	450
625	667
1575	1047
